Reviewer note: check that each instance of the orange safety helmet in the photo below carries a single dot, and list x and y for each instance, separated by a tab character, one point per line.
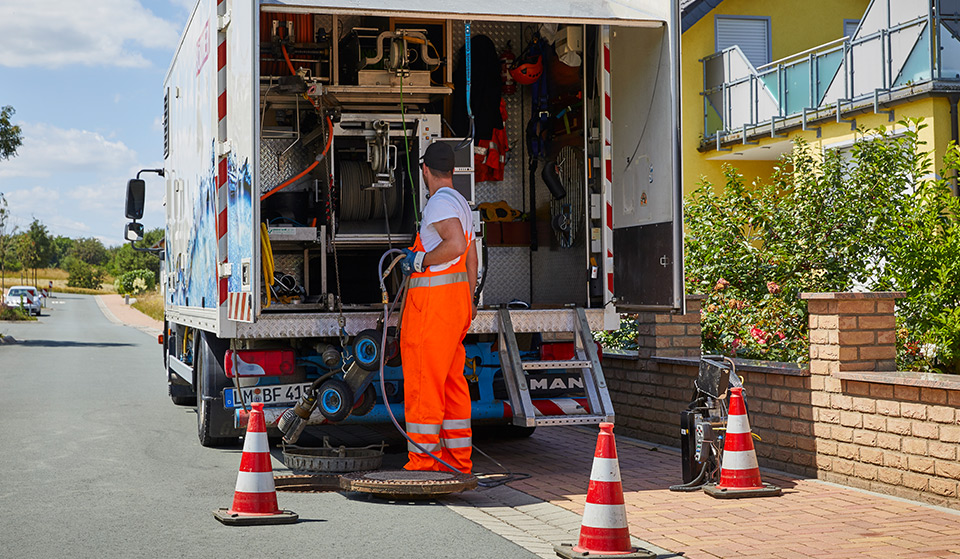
526	71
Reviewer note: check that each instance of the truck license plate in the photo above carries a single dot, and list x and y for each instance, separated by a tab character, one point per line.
276	394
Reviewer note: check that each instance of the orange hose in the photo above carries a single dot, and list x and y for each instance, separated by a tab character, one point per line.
293	71
290	181
287	58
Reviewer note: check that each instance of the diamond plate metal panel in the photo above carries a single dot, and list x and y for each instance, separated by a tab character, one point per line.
290	263
277	166
508	275
319	325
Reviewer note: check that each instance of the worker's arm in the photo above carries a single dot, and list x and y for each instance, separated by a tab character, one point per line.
452	245
472	274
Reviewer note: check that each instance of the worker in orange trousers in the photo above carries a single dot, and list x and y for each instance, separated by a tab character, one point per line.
442	266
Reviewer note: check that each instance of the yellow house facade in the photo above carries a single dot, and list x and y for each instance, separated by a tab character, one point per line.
759	74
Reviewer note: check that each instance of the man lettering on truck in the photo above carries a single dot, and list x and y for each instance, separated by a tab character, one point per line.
442	265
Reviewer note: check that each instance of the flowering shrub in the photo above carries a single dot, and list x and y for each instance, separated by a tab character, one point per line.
623	339
135	282
819	224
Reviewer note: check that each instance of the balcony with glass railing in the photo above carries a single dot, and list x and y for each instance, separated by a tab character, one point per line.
901	49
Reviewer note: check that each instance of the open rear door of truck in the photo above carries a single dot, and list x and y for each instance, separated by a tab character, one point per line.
237	215
642	165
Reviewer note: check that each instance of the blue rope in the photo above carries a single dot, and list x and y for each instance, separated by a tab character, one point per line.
466	30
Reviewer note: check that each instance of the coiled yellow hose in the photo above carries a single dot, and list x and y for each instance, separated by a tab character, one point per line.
266	259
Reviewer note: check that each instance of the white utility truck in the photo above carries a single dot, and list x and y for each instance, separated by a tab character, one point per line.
292	136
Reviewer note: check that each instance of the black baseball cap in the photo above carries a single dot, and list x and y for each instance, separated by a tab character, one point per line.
439	157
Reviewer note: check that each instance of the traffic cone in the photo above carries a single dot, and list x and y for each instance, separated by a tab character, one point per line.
255	498
603	531
739	472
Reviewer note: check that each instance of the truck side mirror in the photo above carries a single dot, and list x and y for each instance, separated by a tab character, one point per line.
133	231
136	190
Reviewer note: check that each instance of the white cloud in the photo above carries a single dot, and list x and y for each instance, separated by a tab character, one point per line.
49	150
55	33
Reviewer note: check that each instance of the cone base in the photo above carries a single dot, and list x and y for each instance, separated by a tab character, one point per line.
565	550
730	493
240	519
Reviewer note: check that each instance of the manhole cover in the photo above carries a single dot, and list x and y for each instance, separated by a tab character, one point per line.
398	484
406	475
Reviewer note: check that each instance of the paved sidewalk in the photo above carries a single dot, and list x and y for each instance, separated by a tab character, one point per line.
810	519
118	312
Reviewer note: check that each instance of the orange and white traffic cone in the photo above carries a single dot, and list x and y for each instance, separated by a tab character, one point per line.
255	498
739	472
603	530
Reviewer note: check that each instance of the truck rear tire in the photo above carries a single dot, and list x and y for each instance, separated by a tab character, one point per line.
210	423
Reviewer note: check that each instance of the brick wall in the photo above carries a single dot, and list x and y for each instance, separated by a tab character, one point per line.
892	432
849	419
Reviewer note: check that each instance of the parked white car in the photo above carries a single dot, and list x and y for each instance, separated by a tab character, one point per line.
25	296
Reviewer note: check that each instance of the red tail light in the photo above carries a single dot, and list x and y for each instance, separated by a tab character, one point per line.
557	351
563	351
259	362
160	339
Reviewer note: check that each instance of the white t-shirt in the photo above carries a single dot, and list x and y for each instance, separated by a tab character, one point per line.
444	204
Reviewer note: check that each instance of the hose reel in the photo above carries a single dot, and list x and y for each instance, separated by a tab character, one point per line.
564	211
358	200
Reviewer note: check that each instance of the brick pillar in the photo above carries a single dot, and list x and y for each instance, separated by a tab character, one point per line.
852	331
666	334
848	332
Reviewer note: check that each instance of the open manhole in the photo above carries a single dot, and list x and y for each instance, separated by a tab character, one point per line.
404	484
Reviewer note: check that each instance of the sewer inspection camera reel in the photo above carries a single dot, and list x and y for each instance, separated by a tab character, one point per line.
704	422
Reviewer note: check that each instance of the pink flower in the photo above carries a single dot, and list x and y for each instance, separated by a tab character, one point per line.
721	285
780	335
773	288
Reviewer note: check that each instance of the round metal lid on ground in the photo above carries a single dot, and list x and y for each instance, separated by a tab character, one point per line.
404	484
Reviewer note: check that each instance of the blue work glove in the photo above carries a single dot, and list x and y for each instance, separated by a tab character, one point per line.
412	262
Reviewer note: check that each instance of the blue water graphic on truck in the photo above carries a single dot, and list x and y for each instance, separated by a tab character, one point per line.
194	276
239	218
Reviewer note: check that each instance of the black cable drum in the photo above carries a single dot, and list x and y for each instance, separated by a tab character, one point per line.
359	202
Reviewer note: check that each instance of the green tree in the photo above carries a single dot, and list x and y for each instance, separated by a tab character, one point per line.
10	137
89	250
60	247
6	239
923	260
127	260
82	274
43	245
26	254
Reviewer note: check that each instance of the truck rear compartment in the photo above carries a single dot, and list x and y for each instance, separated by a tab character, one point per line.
544	261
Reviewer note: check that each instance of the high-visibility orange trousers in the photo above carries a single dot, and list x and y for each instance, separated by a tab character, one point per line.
436	398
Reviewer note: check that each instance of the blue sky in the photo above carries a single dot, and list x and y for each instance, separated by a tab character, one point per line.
85	78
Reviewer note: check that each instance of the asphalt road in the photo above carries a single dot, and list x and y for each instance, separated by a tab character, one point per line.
97	462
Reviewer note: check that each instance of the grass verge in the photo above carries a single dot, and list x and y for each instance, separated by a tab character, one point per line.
150	304
59	278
